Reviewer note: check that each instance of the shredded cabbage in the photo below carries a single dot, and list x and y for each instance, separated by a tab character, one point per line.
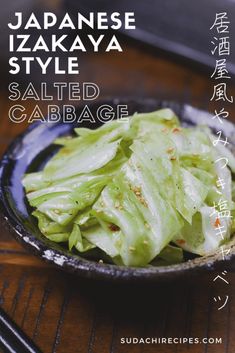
142	192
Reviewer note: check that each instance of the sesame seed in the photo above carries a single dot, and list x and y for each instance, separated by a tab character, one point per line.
176	129
131	248
170	150
117	204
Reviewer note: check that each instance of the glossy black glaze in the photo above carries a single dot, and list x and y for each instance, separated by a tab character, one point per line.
29	152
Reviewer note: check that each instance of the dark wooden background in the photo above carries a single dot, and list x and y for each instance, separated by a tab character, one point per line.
66	314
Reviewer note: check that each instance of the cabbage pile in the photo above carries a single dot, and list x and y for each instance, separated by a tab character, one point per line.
141	190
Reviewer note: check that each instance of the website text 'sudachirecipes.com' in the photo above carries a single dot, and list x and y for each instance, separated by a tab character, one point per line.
171	340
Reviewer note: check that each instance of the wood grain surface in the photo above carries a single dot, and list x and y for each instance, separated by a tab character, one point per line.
66	314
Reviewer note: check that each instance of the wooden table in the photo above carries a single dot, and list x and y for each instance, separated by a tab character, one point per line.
66	314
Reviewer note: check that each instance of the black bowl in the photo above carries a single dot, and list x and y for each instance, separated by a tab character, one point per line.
29	152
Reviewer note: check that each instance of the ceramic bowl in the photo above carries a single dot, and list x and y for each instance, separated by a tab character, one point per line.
34	147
